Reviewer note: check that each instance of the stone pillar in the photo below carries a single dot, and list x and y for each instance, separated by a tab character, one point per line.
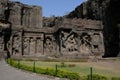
32	46
102	44
26	46
39	45
21	42
60	45
35	41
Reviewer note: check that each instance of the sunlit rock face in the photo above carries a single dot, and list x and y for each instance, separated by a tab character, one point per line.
107	12
25	15
24	33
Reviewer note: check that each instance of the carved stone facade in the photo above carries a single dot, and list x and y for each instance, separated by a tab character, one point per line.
72	38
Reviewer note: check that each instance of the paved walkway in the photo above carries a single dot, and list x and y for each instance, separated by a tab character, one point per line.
9	73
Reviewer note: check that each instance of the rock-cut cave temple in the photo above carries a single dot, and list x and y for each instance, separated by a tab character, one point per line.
22	34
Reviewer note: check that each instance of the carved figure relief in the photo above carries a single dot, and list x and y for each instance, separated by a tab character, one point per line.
23	23
16	45
69	42
96	42
32	46
39	45
26	46
85	43
48	46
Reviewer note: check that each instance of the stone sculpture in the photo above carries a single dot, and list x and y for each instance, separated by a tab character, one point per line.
68	38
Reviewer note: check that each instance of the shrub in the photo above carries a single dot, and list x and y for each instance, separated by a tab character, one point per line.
72	65
97	77
59	73
47	71
115	78
67	74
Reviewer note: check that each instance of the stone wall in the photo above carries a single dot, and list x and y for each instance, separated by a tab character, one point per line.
107	12
78	43
33	44
25	15
32	16
65	38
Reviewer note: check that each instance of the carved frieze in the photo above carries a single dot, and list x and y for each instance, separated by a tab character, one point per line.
68	42
85	43
16	43
49	47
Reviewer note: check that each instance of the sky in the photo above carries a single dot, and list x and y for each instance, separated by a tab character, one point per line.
54	7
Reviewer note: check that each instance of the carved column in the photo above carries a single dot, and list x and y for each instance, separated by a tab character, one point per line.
21	50
32	46
60	45
39	45
102	44
35	45
22	42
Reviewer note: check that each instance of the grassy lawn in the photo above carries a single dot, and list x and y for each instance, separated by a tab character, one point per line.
83	68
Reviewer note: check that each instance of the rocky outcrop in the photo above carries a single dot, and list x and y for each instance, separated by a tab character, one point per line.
32	16
90	10
25	15
15	17
111	21
52	21
22	34
107	11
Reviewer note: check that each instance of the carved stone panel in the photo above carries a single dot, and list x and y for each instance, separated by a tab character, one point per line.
16	45
39	46
85	44
49	46
69	43
97	43
32	46
26	46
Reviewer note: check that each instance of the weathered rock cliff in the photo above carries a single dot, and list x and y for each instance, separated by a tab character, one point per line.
16	16
25	15
21	30
108	12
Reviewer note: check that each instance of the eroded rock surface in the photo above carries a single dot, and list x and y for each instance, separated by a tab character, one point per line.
25	34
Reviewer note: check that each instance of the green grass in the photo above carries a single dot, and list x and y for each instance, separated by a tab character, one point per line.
81	68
